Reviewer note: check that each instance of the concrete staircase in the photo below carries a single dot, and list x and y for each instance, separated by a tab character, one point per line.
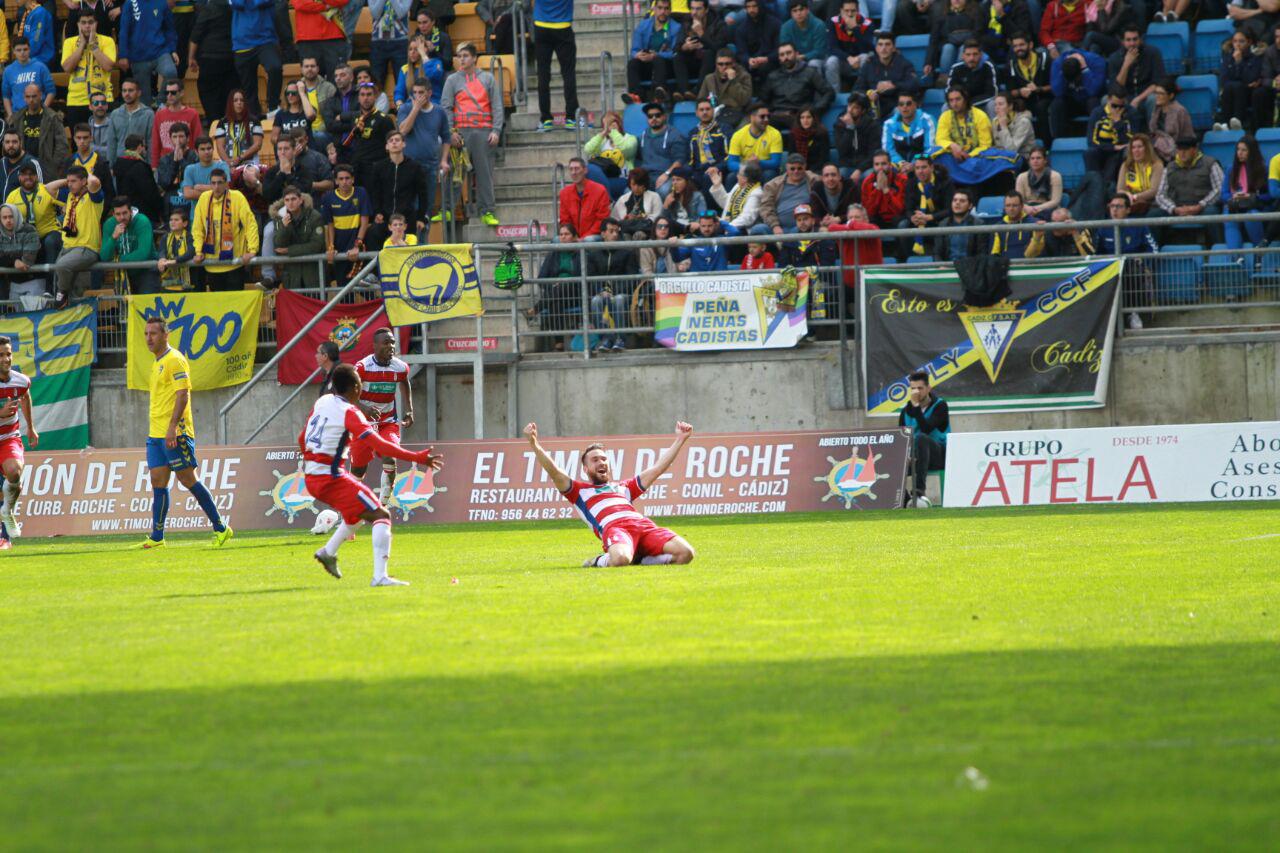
523	180
527	159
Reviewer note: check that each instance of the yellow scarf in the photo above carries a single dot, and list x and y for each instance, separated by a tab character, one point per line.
994	24
739	200
226	239
1029	68
964	130
1138	177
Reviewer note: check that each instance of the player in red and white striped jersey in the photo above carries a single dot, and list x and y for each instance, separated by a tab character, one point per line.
606	505
336	425
15	395
381	373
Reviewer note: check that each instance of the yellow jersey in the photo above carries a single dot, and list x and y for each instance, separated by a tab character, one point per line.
38	208
88	76
745	146
82	219
170	375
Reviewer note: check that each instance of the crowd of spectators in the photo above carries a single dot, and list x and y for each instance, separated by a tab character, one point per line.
765	158
104	160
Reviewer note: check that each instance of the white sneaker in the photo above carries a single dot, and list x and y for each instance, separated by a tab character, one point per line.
595	562
1218	127
923	503
1235	124
388	581
330	563
15	529
1135	322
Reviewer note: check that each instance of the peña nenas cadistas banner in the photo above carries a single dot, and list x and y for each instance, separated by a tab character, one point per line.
109	491
1048	346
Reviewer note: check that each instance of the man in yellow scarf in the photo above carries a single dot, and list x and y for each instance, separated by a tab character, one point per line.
224	233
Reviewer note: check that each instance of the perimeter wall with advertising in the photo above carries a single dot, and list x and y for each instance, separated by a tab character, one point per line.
108	491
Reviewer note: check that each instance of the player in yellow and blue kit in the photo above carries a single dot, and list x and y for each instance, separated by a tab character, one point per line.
171	441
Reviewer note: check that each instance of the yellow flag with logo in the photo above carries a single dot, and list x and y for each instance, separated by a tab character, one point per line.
421	284
217	332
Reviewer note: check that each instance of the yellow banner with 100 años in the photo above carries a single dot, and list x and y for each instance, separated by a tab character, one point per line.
421	284
217	332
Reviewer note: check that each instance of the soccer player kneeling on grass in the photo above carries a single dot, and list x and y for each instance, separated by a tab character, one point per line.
627	536
15	394
171	441
336	424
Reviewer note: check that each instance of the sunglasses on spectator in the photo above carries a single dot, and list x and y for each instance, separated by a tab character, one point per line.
724	64
97	103
653	115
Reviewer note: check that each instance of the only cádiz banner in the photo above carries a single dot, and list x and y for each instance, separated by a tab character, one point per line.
421	284
1047	346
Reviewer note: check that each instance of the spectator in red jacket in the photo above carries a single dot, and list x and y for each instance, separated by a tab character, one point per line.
883	190
858	253
1062	23
317	28
584	204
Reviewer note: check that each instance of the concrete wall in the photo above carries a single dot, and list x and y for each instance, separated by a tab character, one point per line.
1229	378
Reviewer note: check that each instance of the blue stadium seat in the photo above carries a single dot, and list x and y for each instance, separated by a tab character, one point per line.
891	260
991	208
1208	38
1067	156
920	259
1221	145
683	117
1178	280
1174	43
1269	141
1199	94
915	49
1227	276
837	108
633	120
935	101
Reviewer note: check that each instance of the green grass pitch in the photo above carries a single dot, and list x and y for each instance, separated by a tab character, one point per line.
810	682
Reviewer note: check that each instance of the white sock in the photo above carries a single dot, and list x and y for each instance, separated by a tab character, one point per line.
11	490
341	534
381	548
660	560
388	482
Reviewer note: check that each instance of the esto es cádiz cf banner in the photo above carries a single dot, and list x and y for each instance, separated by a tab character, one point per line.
108	491
1048	346
1199	462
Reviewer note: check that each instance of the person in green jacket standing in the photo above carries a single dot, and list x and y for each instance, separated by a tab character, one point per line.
132	239
299	231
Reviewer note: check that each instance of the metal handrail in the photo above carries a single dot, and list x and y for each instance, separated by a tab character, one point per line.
894	233
520	35
579	127
284	404
283	351
557	184
448	210
606	82
628	24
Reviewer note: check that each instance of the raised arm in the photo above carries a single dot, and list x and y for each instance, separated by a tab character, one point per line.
560	478
650	475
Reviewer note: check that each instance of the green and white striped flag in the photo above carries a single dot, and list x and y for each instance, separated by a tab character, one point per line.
57	349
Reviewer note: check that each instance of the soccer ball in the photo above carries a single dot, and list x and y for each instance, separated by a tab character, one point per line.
325	522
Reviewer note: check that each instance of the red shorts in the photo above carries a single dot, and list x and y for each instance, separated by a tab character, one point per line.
645	538
362	454
347	495
11	448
